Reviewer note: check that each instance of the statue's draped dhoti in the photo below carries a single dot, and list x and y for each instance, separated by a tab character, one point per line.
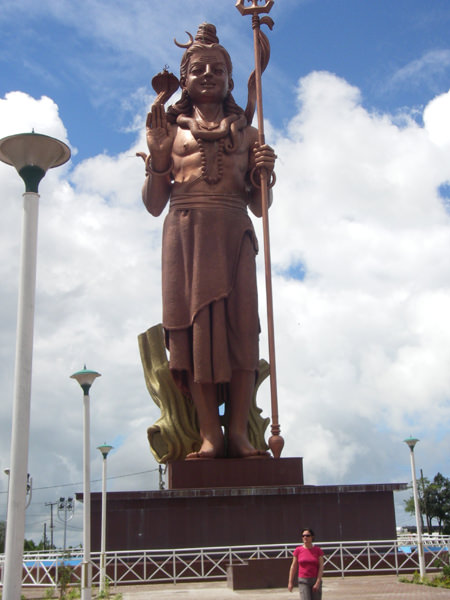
210	302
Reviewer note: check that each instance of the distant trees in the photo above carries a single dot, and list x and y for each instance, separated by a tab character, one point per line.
28	545
31	546
434	501
2	536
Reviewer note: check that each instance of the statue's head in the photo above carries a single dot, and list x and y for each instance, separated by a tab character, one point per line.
206	39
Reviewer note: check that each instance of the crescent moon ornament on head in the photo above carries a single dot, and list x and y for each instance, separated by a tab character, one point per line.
187	44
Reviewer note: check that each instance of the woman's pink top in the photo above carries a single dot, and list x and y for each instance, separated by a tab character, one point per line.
308	561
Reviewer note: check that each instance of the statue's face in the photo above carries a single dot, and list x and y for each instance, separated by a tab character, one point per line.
207	78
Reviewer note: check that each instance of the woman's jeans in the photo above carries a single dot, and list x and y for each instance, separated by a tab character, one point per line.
305	585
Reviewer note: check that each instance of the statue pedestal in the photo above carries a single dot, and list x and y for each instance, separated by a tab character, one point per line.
235	472
269	510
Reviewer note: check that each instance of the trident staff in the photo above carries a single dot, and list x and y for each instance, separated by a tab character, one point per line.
276	442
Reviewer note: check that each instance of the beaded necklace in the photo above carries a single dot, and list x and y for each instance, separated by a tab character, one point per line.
211	173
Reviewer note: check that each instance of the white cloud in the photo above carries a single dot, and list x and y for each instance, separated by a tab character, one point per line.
424	69
21	114
436	118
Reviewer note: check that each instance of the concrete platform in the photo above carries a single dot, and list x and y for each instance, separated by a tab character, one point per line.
377	587
238	516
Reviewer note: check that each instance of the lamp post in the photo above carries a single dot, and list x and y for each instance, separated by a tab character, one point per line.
32	155
86	378
104	449
411	442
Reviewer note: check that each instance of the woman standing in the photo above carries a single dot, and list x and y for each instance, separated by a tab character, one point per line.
309	561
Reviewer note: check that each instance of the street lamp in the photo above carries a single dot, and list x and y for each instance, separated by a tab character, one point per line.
411	442
86	378
66	509
52	526
32	155
29	490
104	449
28	494
6	472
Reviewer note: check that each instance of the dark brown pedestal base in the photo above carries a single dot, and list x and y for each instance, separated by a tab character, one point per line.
236	502
243	516
235	472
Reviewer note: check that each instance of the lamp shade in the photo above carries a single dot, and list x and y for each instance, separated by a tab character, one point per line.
105	449
85	377
411	442
33	149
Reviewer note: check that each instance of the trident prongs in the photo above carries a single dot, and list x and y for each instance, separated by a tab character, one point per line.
255	9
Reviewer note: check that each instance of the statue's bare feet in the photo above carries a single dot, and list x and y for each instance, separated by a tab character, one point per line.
208	450
240	447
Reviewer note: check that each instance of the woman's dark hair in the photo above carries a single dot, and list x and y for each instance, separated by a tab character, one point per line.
309	530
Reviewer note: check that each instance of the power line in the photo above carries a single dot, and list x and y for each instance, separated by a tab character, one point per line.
49	487
95	480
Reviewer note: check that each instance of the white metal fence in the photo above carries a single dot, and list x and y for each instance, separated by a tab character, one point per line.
189	564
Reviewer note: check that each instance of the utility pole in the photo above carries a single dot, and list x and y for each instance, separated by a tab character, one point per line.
162	472
66	509
424	498
52	526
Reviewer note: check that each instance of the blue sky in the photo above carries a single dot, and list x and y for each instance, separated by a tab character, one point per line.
357	106
95	62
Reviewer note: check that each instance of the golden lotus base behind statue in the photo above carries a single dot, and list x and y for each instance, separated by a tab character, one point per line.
176	434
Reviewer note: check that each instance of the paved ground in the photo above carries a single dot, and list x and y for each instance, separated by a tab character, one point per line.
379	587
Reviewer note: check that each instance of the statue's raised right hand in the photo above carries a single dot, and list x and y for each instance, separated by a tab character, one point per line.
160	137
